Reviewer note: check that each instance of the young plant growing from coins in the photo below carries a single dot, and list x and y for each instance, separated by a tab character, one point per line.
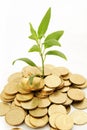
43	43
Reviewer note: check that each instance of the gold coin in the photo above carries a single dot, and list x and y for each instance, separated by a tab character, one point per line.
38	112
41	94
24	85
60	71
6	96
64	122
21	90
16	129
37	71
24	97
52	119
79	117
27	71
64	89
39	122
56	109
11	88
67	83
6	100
67	77
47	70
15	116
32	104
76	94
49	66
38	83
68	101
45	102
15	77
81	86
58	97
77	79
27	122
17	103
13	104
61	85
4	108
56	72
81	104
47	90
52	81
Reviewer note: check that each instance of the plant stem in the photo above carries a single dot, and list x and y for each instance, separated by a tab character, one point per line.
42	65
42	56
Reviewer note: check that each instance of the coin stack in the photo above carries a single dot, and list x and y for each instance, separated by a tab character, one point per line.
47	100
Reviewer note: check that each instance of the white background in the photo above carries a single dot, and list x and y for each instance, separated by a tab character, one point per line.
67	15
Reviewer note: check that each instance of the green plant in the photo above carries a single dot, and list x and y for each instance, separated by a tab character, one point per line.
42	42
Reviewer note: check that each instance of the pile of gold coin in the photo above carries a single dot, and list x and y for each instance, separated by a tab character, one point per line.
46	100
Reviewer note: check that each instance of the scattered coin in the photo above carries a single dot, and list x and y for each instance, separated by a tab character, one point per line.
32	104
76	94
15	116
64	89
44	102
62	70
81	104
80	86
38	112
56	109
15	77
6	96
58	97
64	122
27	71
27	122
77	79
4	108
20	88
52	119
17	103
39	122
52	81
11	88
68	101
67	83
24	97
79	117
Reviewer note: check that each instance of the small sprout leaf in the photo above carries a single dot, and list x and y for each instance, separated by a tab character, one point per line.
33	32
34	48
57	53
26	60
50	43
44	24
55	35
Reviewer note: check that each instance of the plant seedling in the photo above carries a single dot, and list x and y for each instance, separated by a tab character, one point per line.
42	42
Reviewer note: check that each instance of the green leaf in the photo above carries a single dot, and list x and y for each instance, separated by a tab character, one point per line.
44	24
26	60
34	48
55	35
31	79
32	37
57	53
50	43
33	32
